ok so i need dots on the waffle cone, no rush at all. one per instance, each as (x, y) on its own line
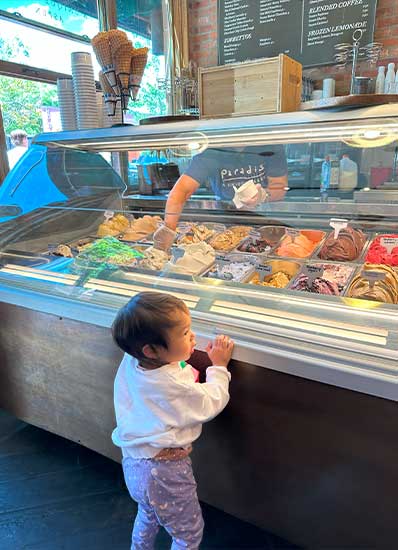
(137, 68)
(105, 85)
(102, 50)
(116, 39)
(122, 63)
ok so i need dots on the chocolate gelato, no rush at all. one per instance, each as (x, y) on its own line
(346, 248)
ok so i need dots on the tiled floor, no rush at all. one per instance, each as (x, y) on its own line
(57, 495)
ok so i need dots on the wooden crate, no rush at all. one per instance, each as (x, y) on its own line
(270, 85)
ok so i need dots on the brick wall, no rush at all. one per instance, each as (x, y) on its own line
(203, 40)
(203, 32)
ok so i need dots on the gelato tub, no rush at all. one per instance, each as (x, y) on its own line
(301, 246)
(379, 254)
(332, 281)
(280, 275)
(346, 248)
(192, 259)
(266, 239)
(236, 268)
(383, 290)
(199, 232)
(230, 239)
(140, 228)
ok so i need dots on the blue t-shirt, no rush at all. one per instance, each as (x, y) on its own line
(222, 169)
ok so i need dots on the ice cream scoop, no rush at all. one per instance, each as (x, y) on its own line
(378, 254)
(347, 247)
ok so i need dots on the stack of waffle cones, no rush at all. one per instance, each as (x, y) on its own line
(122, 66)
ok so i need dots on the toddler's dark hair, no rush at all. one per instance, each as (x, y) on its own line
(145, 320)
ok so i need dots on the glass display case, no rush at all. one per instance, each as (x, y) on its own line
(315, 262)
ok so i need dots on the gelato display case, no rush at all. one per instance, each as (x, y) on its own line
(306, 283)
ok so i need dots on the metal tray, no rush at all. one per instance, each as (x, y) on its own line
(315, 255)
(267, 232)
(237, 258)
(323, 262)
(235, 245)
(217, 227)
(305, 232)
(371, 238)
(290, 267)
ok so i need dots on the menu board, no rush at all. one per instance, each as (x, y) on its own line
(306, 30)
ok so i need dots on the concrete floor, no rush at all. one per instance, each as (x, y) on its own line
(57, 495)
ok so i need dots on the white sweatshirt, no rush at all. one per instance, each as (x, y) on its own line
(164, 407)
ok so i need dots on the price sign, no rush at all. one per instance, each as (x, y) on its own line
(313, 272)
(264, 271)
(108, 214)
(221, 258)
(292, 233)
(373, 276)
(389, 243)
(338, 224)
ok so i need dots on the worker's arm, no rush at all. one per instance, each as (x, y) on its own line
(181, 192)
(277, 187)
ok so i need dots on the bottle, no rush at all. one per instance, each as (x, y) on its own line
(380, 80)
(325, 174)
(334, 172)
(348, 179)
(389, 84)
(325, 179)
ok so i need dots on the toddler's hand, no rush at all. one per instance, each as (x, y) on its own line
(220, 351)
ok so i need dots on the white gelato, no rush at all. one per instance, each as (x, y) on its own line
(234, 271)
(196, 259)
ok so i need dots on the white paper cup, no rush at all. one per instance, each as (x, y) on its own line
(247, 191)
(316, 95)
(328, 87)
(81, 58)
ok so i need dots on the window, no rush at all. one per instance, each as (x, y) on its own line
(30, 106)
(75, 16)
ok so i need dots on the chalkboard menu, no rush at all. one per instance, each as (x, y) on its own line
(306, 30)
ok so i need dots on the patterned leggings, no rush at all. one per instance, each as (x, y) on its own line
(165, 491)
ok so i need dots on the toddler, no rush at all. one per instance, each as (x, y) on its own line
(159, 413)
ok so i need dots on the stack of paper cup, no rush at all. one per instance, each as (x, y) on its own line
(66, 101)
(84, 88)
(100, 109)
